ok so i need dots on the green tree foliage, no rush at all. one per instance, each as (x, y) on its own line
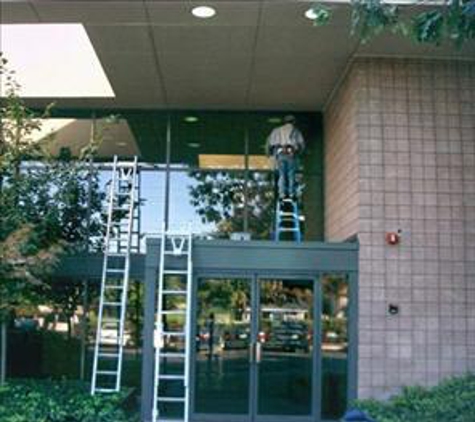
(219, 197)
(48, 205)
(450, 20)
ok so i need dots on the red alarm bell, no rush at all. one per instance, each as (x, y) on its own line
(392, 238)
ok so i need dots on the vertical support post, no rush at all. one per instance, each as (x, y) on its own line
(148, 355)
(3, 352)
(246, 180)
(84, 330)
(167, 174)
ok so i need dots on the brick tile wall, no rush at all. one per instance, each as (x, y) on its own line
(413, 123)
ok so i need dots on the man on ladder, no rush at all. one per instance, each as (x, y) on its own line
(285, 144)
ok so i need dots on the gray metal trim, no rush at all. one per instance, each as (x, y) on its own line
(353, 337)
(252, 260)
(151, 276)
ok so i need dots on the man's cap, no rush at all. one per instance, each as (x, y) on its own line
(289, 118)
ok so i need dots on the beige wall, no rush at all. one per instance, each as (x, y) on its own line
(409, 127)
(341, 163)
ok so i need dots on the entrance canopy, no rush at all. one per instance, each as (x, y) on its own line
(250, 55)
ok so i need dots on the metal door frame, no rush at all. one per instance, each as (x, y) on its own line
(252, 415)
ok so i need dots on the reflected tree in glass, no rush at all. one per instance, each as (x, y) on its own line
(222, 198)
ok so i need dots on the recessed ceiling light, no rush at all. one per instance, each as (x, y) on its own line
(310, 14)
(53, 61)
(203, 12)
(194, 144)
(191, 119)
(121, 144)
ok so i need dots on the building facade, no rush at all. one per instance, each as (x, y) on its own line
(380, 294)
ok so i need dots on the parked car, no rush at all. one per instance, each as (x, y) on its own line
(110, 335)
(289, 337)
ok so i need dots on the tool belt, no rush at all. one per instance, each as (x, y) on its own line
(285, 150)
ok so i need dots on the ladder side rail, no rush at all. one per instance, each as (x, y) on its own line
(125, 281)
(139, 222)
(277, 221)
(104, 275)
(297, 222)
(188, 329)
(158, 325)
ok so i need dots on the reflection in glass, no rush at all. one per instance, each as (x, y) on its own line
(286, 338)
(212, 201)
(334, 345)
(215, 136)
(152, 193)
(222, 346)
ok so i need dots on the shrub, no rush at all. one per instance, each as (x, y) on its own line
(59, 401)
(451, 401)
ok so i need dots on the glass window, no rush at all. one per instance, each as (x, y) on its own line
(212, 202)
(334, 345)
(208, 140)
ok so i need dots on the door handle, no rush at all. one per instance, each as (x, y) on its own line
(258, 352)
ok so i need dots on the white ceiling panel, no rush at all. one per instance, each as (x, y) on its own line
(208, 41)
(133, 39)
(17, 12)
(132, 75)
(301, 81)
(157, 55)
(394, 45)
(214, 81)
(229, 13)
(303, 42)
(105, 12)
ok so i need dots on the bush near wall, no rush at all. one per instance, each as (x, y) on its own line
(58, 401)
(451, 401)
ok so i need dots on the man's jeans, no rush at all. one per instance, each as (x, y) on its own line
(286, 165)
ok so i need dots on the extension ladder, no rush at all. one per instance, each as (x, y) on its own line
(173, 329)
(287, 222)
(121, 238)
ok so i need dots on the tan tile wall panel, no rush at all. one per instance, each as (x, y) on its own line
(341, 165)
(415, 124)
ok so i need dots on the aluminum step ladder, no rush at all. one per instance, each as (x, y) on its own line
(287, 222)
(121, 239)
(171, 394)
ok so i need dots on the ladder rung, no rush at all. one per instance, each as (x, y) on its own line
(117, 254)
(174, 292)
(172, 377)
(172, 399)
(114, 287)
(112, 304)
(176, 253)
(174, 312)
(173, 333)
(110, 320)
(110, 373)
(115, 270)
(105, 390)
(171, 272)
(108, 355)
(172, 355)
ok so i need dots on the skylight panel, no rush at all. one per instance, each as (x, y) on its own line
(53, 61)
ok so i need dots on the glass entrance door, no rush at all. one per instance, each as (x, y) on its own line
(222, 343)
(285, 349)
(254, 350)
